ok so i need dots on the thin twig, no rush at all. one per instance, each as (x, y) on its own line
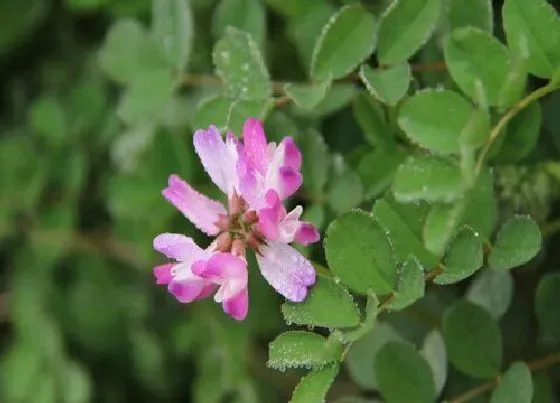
(434, 273)
(536, 365)
(200, 80)
(100, 244)
(433, 66)
(281, 101)
(510, 114)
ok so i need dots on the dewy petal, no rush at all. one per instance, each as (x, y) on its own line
(197, 208)
(287, 270)
(177, 247)
(219, 159)
(230, 272)
(306, 234)
(289, 181)
(270, 216)
(237, 306)
(163, 273)
(283, 171)
(255, 143)
(292, 155)
(186, 291)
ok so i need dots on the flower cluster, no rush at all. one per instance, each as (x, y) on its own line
(256, 176)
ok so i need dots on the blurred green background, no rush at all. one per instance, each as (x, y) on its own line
(80, 180)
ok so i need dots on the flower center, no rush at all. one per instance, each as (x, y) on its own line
(239, 229)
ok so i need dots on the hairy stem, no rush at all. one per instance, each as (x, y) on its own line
(536, 365)
(509, 115)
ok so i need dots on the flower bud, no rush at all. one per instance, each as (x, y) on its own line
(238, 247)
(224, 242)
(250, 217)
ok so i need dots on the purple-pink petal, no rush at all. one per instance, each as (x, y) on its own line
(306, 234)
(237, 306)
(289, 181)
(286, 270)
(218, 158)
(197, 208)
(185, 291)
(255, 144)
(207, 271)
(162, 273)
(177, 246)
(292, 155)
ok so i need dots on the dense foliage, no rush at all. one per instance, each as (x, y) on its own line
(430, 136)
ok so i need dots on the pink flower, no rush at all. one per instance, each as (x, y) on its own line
(196, 273)
(256, 176)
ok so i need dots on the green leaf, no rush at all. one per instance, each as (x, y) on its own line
(301, 349)
(346, 191)
(517, 242)
(328, 304)
(546, 304)
(433, 351)
(420, 17)
(313, 387)
(369, 114)
(533, 30)
(514, 85)
(246, 15)
(146, 99)
(410, 284)
(472, 55)
(303, 29)
(228, 114)
(481, 206)
(293, 7)
(492, 290)
(346, 40)
(377, 170)
(240, 109)
(441, 223)
(48, 119)
(475, 13)
(463, 257)
(427, 178)
(388, 85)
(339, 95)
(473, 340)
(307, 96)
(129, 52)
(413, 214)
(542, 388)
(359, 253)
(521, 135)
(20, 369)
(363, 352)
(129, 146)
(516, 385)
(212, 111)
(403, 374)
(77, 384)
(316, 161)
(239, 63)
(44, 390)
(147, 359)
(420, 118)
(315, 214)
(404, 240)
(173, 31)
